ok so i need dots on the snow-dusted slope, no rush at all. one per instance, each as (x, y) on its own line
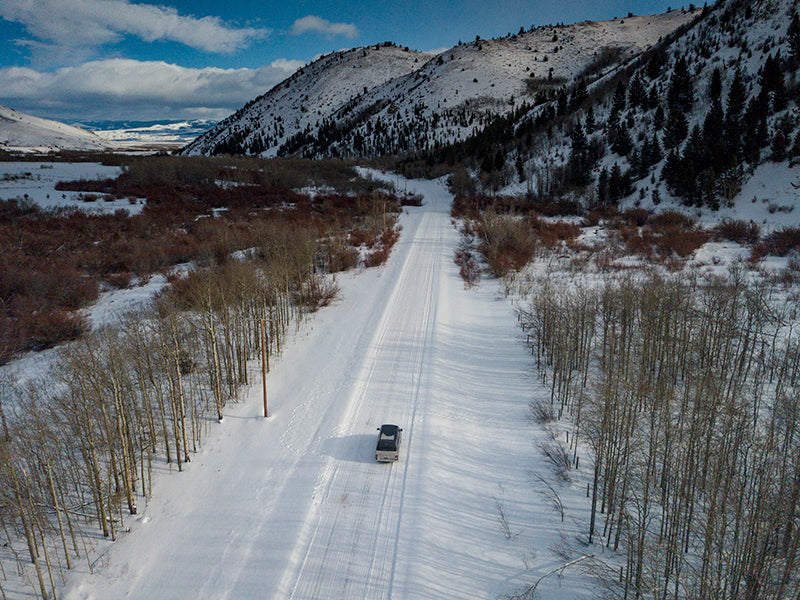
(734, 38)
(19, 131)
(384, 100)
(307, 97)
(449, 96)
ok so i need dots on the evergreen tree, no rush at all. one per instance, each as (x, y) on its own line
(618, 185)
(618, 102)
(715, 86)
(671, 171)
(693, 161)
(590, 120)
(659, 118)
(579, 166)
(655, 150)
(713, 127)
(675, 129)
(561, 104)
(620, 140)
(655, 197)
(779, 146)
(499, 159)
(772, 82)
(652, 97)
(579, 94)
(519, 164)
(602, 187)
(732, 127)
(793, 37)
(754, 122)
(706, 190)
(655, 65)
(680, 96)
(637, 95)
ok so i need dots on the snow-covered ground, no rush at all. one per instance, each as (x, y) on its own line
(35, 182)
(294, 506)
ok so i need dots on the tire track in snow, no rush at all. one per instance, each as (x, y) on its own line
(349, 550)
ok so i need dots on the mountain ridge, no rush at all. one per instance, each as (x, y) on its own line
(436, 101)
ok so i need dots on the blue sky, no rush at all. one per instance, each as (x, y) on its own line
(79, 60)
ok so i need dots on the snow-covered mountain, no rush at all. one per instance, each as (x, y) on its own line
(19, 131)
(387, 99)
(704, 119)
(168, 133)
(307, 98)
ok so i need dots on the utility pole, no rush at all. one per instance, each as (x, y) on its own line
(264, 363)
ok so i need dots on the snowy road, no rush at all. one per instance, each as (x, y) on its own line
(295, 507)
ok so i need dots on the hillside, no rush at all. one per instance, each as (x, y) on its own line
(305, 99)
(22, 132)
(386, 100)
(689, 123)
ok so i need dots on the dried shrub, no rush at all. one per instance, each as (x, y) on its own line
(553, 233)
(662, 237)
(741, 232)
(542, 412)
(605, 57)
(45, 330)
(680, 242)
(637, 217)
(316, 292)
(362, 237)
(670, 218)
(121, 280)
(507, 243)
(791, 274)
(335, 256)
(471, 206)
(468, 267)
(197, 210)
(383, 248)
(778, 243)
(558, 456)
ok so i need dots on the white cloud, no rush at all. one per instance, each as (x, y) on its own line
(318, 25)
(81, 23)
(123, 88)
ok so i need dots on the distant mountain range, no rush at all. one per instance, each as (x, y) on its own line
(169, 132)
(26, 133)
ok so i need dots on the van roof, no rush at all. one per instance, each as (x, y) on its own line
(389, 430)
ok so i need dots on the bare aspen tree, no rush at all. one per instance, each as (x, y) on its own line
(78, 451)
(690, 410)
